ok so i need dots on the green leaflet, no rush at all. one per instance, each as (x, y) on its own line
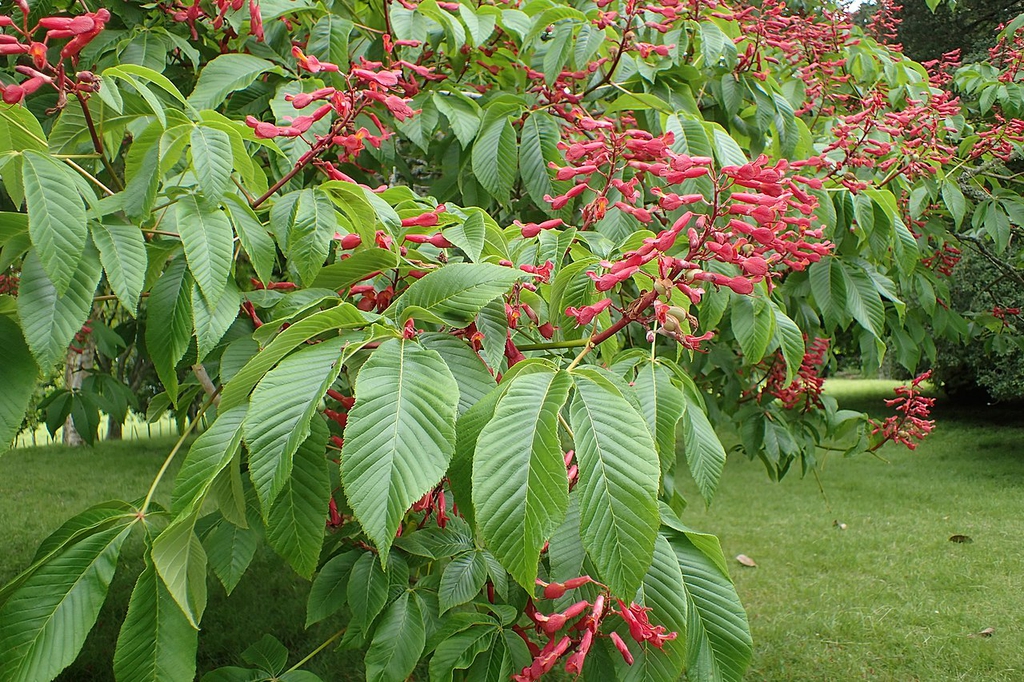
(18, 372)
(206, 235)
(123, 255)
(703, 450)
(495, 154)
(56, 217)
(462, 579)
(212, 159)
(662, 406)
(44, 623)
(400, 435)
(279, 415)
(209, 454)
(520, 488)
(156, 643)
(327, 594)
(225, 74)
(295, 524)
(170, 301)
(180, 559)
(453, 295)
(618, 484)
(49, 319)
(397, 642)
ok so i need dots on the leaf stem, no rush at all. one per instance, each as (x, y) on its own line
(170, 457)
(554, 345)
(315, 651)
(97, 143)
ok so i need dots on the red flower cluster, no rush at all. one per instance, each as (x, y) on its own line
(9, 285)
(805, 390)
(579, 636)
(194, 13)
(910, 423)
(944, 260)
(433, 503)
(79, 31)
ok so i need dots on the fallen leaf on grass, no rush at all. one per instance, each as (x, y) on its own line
(960, 538)
(746, 561)
(987, 632)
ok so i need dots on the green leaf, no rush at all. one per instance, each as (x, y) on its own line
(753, 323)
(662, 406)
(180, 559)
(254, 237)
(156, 643)
(341, 316)
(279, 415)
(520, 487)
(434, 542)
(206, 235)
(328, 40)
(212, 159)
(618, 484)
(355, 268)
(400, 435)
(397, 642)
(225, 74)
(267, 653)
(18, 372)
(209, 454)
(44, 623)
(229, 551)
(472, 376)
(462, 579)
(170, 302)
(955, 201)
(50, 320)
(367, 589)
(295, 525)
(455, 293)
(791, 341)
(327, 593)
(56, 217)
(863, 301)
(213, 322)
(312, 226)
(460, 650)
(720, 643)
(463, 115)
(123, 255)
(703, 450)
(828, 286)
(537, 146)
(664, 593)
(495, 156)
(470, 236)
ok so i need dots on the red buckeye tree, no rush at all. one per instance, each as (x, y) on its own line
(465, 292)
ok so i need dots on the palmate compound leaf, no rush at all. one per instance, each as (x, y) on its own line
(156, 643)
(280, 411)
(400, 435)
(618, 484)
(520, 488)
(44, 623)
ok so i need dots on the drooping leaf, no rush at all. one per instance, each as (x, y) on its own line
(56, 217)
(618, 484)
(225, 74)
(462, 579)
(18, 372)
(156, 643)
(123, 254)
(229, 551)
(703, 450)
(212, 159)
(662, 404)
(454, 294)
(313, 223)
(295, 525)
(44, 623)
(460, 650)
(180, 559)
(327, 594)
(720, 643)
(520, 487)
(170, 302)
(50, 320)
(400, 435)
(495, 154)
(213, 322)
(206, 458)
(367, 589)
(206, 235)
(279, 415)
(397, 642)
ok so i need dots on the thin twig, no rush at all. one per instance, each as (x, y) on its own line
(97, 143)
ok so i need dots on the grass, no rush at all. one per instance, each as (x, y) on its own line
(889, 598)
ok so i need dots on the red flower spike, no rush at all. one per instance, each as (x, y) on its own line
(621, 646)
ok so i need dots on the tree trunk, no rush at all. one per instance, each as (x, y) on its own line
(114, 429)
(76, 365)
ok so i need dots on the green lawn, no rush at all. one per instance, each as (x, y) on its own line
(889, 598)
